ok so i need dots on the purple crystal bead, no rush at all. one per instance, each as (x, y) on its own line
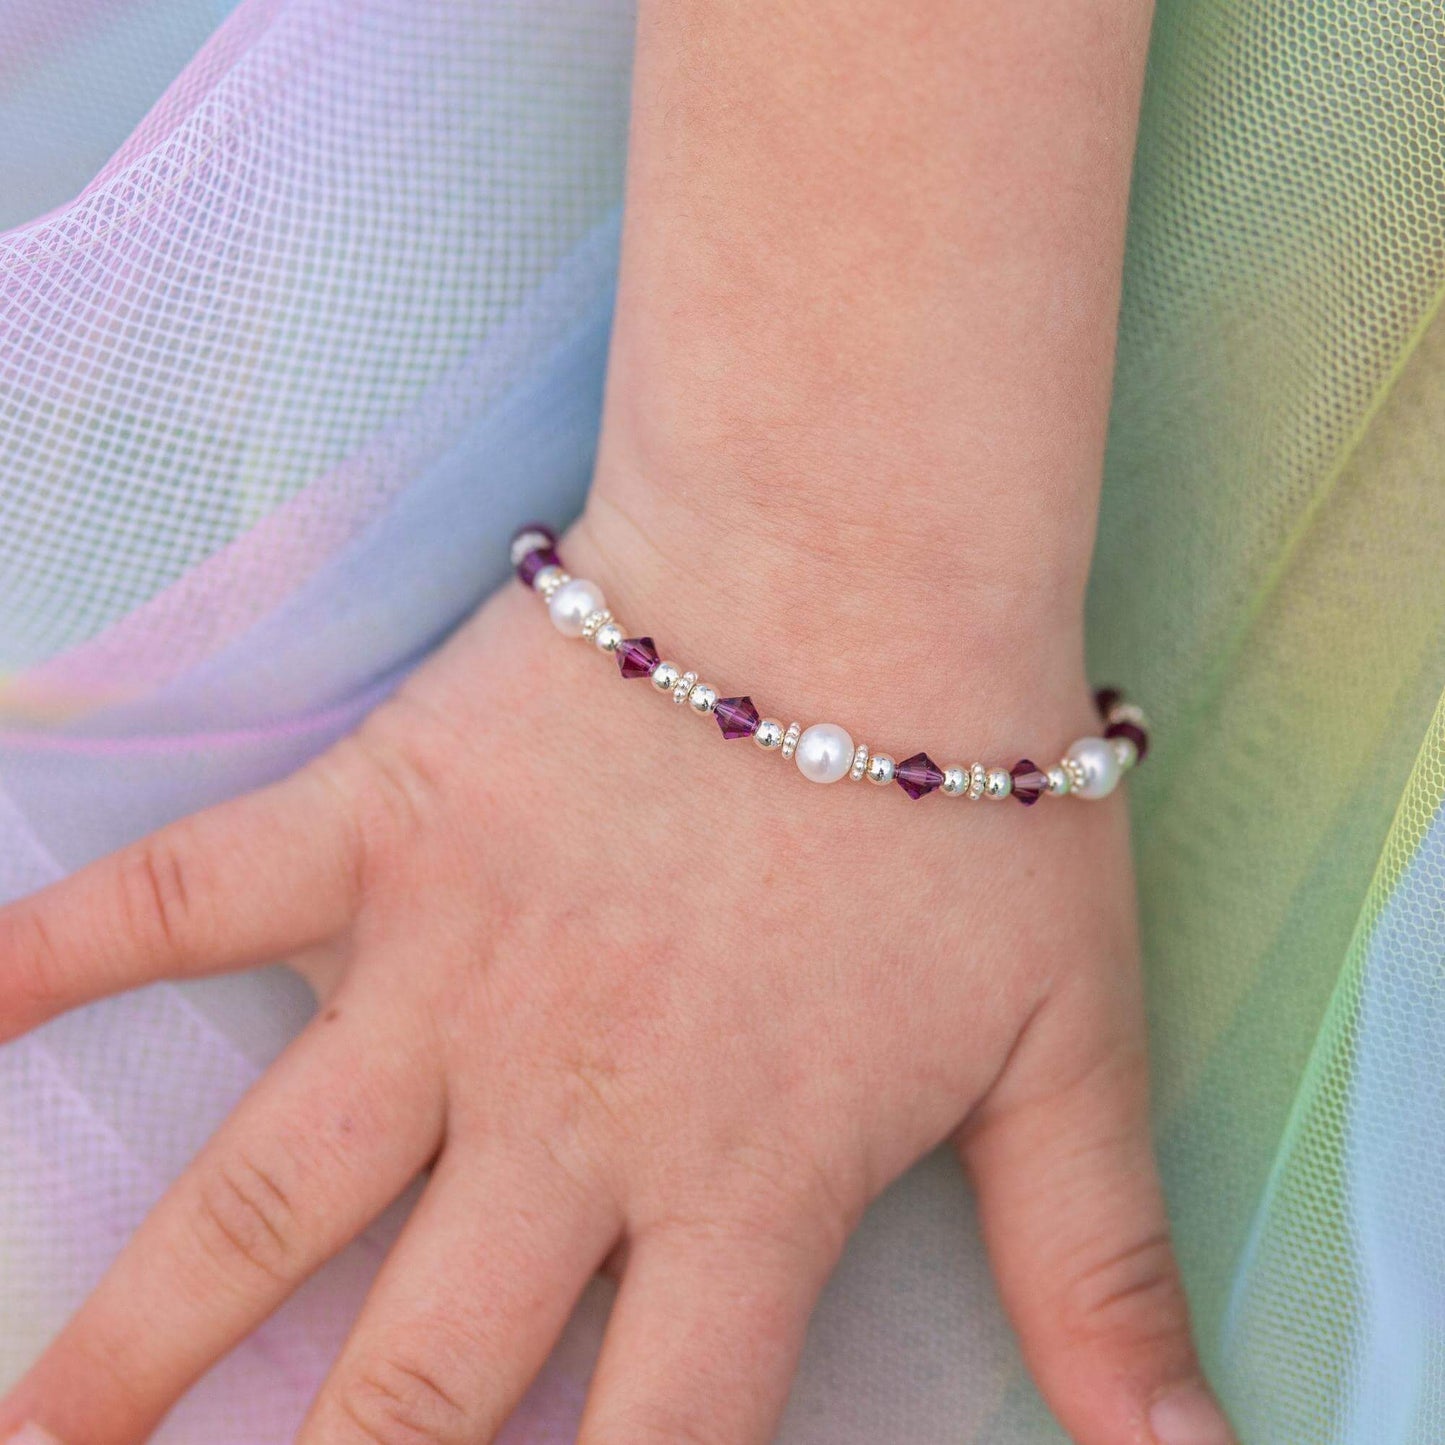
(737, 717)
(533, 563)
(1107, 698)
(1133, 732)
(918, 775)
(637, 657)
(1030, 782)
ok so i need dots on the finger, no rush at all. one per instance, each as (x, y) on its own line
(468, 1305)
(1074, 1219)
(246, 881)
(330, 1135)
(704, 1338)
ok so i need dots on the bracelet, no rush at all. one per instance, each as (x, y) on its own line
(1091, 767)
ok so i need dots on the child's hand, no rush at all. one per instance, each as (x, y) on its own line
(627, 989)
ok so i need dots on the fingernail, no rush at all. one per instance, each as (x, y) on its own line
(1189, 1415)
(32, 1435)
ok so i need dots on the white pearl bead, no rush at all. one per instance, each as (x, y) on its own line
(572, 603)
(824, 753)
(1097, 761)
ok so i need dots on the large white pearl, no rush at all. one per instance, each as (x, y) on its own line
(573, 603)
(825, 753)
(1100, 765)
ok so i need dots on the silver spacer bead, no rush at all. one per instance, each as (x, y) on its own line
(769, 736)
(1058, 780)
(998, 783)
(1126, 752)
(1074, 771)
(790, 739)
(881, 769)
(593, 621)
(609, 637)
(702, 698)
(682, 687)
(977, 781)
(665, 676)
(529, 542)
(956, 781)
(548, 580)
(860, 763)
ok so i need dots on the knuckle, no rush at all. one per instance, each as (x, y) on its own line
(397, 1400)
(246, 1221)
(1132, 1295)
(159, 891)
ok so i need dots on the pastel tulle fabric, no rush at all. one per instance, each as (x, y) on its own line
(303, 306)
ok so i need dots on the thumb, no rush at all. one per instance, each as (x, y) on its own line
(1073, 1217)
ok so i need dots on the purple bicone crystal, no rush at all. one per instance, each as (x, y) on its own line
(1107, 698)
(737, 717)
(637, 657)
(1030, 782)
(918, 775)
(533, 563)
(1133, 732)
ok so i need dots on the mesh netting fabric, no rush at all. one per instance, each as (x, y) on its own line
(316, 306)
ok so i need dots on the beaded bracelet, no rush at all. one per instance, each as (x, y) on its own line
(1090, 768)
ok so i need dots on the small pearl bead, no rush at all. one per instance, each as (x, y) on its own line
(1096, 762)
(702, 699)
(769, 735)
(1058, 781)
(998, 783)
(665, 676)
(1126, 752)
(825, 753)
(881, 769)
(548, 580)
(609, 637)
(956, 781)
(571, 604)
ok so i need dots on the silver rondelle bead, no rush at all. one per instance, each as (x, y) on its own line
(548, 580)
(977, 781)
(609, 637)
(525, 542)
(1074, 772)
(860, 764)
(956, 781)
(998, 783)
(702, 699)
(682, 687)
(790, 739)
(1058, 780)
(881, 769)
(593, 621)
(769, 736)
(665, 676)
(1126, 752)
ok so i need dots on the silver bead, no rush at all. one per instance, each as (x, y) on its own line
(1126, 752)
(956, 781)
(1058, 780)
(977, 781)
(860, 763)
(1074, 772)
(702, 699)
(665, 676)
(593, 621)
(682, 687)
(881, 769)
(769, 735)
(548, 580)
(790, 739)
(998, 783)
(529, 542)
(609, 637)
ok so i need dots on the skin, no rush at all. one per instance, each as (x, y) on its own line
(637, 997)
